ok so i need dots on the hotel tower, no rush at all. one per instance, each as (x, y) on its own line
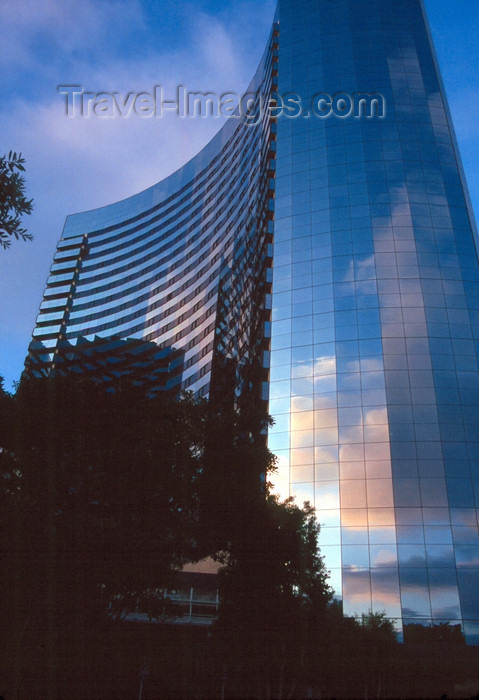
(330, 244)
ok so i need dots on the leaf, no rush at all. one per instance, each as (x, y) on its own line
(13, 204)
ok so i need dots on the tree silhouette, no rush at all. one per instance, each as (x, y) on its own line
(13, 203)
(98, 508)
(105, 493)
(272, 582)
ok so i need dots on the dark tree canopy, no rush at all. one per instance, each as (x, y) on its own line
(13, 203)
(105, 493)
(109, 477)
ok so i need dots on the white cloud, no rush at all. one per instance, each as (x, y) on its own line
(68, 26)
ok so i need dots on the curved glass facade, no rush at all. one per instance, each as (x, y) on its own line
(170, 283)
(374, 331)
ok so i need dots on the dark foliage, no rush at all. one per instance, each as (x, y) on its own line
(272, 582)
(103, 494)
(98, 505)
(13, 203)
(442, 633)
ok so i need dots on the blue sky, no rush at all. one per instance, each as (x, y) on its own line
(133, 45)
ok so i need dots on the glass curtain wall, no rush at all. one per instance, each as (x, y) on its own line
(374, 381)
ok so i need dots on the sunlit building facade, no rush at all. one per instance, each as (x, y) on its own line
(367, 339)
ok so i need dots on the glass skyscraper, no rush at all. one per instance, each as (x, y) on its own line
(332, 243)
